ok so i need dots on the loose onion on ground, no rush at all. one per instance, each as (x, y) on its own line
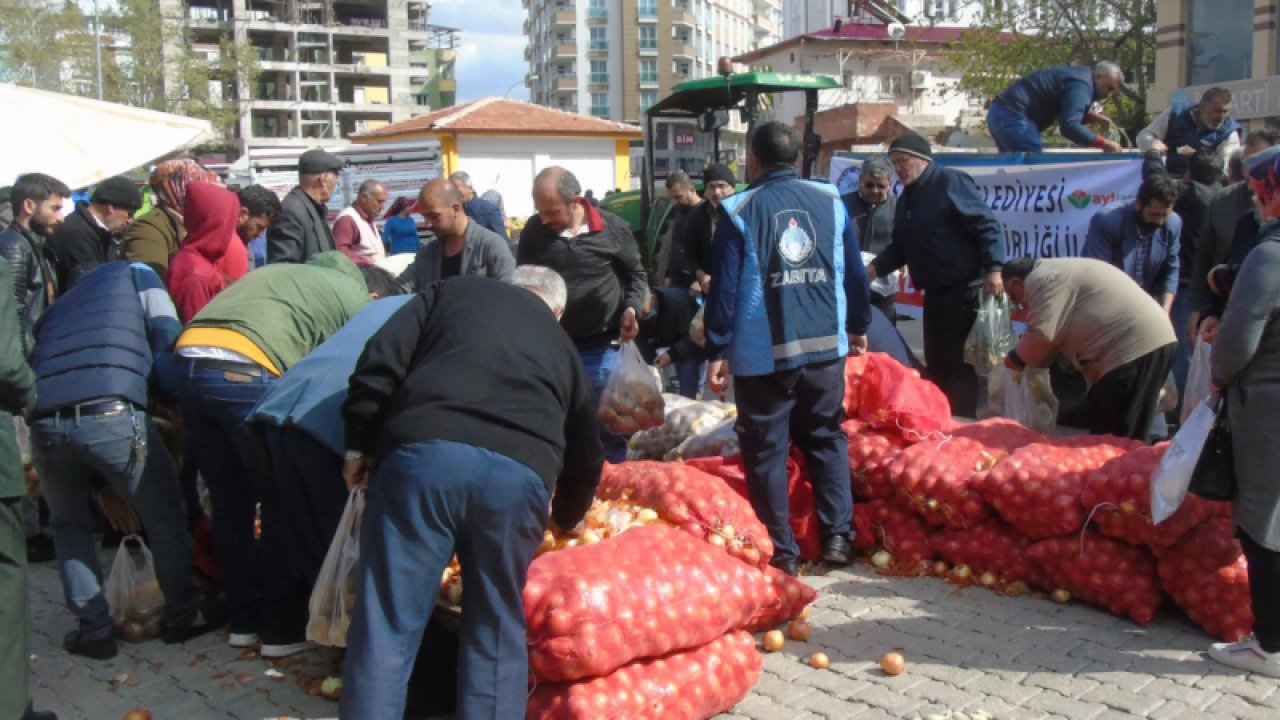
(773, 641)
(893, 663)
(798, 630)
(819, 661)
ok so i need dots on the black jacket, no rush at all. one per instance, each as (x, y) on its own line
(301, 231)
(944, 232)
(694, 242)
(475, 361)
(34, 282)
(668, 326)
(1216, 235)
(601, 269)
(1193, 207)
(79, 245)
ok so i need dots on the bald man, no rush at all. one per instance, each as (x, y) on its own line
(460, 246)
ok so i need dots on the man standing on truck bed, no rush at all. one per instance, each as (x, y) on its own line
(1064, 93)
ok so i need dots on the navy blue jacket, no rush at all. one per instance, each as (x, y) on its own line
(107, 337)
(788, 285)
(487, 214)
(1063, 93)
(1113, 239)
(944, 231)
(1184, 130)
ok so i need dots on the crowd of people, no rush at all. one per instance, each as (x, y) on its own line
(459, 384)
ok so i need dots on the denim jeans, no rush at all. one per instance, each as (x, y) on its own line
(599, 363)
(1013, 131)
(67, 451)
(427, 501)
(691, 375)
(804, 406)
(1180, 316)
(255, 576)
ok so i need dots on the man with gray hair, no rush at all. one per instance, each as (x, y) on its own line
(871, 209)
(354, 232)
(302, 230)
(477, 208)
(1065, 94)
(463, 444)
(596, 254)
(1206, 126)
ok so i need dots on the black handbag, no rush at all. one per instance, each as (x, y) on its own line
(1215, 475)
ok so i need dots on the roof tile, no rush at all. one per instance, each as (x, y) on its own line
(494, 114)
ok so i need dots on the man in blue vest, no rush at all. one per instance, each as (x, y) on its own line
(1206, 126)
(99, 349)
(788, 302)
(1065, 93)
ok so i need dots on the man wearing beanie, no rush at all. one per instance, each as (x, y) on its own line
(953, 245)
(90, 236)
(694, 236)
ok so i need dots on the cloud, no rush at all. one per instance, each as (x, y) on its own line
(491, 52)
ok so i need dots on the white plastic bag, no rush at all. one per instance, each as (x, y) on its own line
(685, 418)
(1172, 476)
(991, 336)
(718, 440)
(1026, 397)
(1199, 379)
(132, 592)
(333, 599)
(632, 399)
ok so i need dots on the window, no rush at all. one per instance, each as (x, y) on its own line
(600, 104)
(648, 100)
(599, 71)
(648, 71)
(597, 9)
(680, 69)
(1219, 41)
(648, 37)
(891, 85)
(598, 41)
(648, 8)
(661, 135)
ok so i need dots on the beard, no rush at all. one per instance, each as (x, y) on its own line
(40, 228)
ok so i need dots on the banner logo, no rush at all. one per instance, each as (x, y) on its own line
(1080, 199)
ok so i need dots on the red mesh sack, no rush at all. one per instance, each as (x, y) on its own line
(1118, 495)
(891, 396)
(802, 516)
(902, 533)
(870, 453)
(686, 685)
(696, 502)
(793, 597)
(1109, 574)
(592, 609)
(864, 534)
(1206, 575)
(1000, 436)
(1037, 488)
(994, 547)
(932, 478)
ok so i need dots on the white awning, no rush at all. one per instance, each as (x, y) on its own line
(81, 141)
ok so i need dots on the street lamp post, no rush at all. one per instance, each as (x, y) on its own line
(97, 44)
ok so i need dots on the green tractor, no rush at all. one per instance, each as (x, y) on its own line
(710, 101)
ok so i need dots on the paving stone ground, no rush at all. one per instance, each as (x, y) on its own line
(966, 649)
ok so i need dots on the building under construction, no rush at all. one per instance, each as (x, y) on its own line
(327, 68)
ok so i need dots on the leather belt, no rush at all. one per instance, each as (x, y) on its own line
(231, 366)
(94, 409)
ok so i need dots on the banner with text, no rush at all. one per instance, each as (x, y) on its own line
(1044, 208)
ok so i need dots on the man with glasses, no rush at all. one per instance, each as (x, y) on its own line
(871, 209)
(303, 230)
(90, 236)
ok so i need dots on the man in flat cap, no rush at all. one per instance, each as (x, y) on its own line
(302, 230)
(90, 236)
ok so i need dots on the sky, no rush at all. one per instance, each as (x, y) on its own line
(491, 49)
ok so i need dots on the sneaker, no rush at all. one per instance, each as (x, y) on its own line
(77, 643)
(1247, 655)
(243, 640)
(285, 649)
(40, 549)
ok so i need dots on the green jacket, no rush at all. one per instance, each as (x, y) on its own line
(17, 390)
(288, 310)
(152, 239)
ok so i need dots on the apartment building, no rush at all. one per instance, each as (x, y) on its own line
(328, 68)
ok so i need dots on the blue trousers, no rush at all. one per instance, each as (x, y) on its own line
(599, 363)
(805, 406)
(257, 577)
(426, 502)
(1180, 316)
(1013, 131)
(691, 374)
(67, 451)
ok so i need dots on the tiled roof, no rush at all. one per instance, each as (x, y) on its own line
(501, 115)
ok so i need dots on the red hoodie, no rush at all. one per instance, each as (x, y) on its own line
(210, 214)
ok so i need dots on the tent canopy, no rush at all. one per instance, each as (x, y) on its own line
(81, 141)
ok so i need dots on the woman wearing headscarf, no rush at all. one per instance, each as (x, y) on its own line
(210, 215)
(154, 237)
(1246, 366)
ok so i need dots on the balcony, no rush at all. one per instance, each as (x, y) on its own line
(599, 78)
(564, 17)
(599, 46)
(565, 83)
(600, 111)
(647, 14)
(528, 53)
(648, 49)
(524, 4)
(683, 17)
(597, 14)
(683, 51)
(648, 82)
(565, 52)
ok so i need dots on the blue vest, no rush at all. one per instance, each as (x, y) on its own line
(790, 302)
(1183, 130)
(92, 343)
